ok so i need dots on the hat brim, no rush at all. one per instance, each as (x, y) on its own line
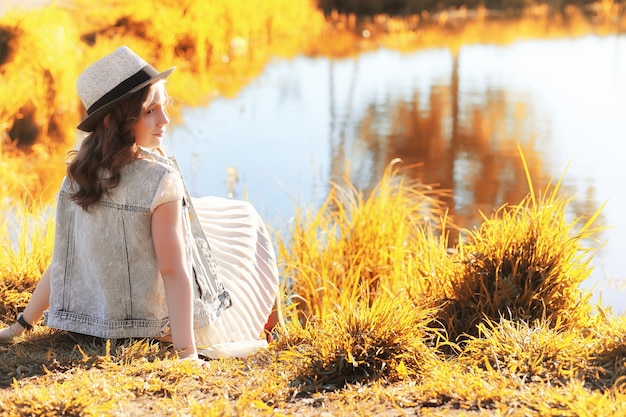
(89, 123)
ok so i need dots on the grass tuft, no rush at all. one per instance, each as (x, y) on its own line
(542, 352)
(526, 263)
(385, 340)
(357, 247)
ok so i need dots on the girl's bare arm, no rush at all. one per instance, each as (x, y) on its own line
(167, 234)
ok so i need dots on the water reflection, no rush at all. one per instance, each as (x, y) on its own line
(459, 118)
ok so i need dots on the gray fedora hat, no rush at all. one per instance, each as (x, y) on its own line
(107, 81)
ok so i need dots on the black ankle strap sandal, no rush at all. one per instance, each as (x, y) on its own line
(23, 322)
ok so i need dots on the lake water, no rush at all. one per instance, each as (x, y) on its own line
(306, 121)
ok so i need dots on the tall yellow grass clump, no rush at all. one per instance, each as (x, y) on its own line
(525, 263)
(386, 339)
(365, 275)
(357, 248)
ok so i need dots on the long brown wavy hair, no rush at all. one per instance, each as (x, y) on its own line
(96, 166)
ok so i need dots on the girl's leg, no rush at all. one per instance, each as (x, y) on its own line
(38, 303)
(275, 318)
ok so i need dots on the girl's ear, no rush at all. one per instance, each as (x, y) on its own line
(106, 120)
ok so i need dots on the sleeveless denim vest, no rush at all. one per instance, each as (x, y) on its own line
(104, 277)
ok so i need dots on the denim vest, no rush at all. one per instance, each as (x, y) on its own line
(104, 277)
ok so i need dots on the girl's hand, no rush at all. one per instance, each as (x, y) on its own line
(197, 361)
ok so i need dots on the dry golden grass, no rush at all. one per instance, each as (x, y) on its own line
(383, 316)
(356, 248)
(386, 339)
(525, 263)
(381, 348)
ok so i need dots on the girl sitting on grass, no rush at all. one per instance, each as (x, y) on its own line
(134, 256)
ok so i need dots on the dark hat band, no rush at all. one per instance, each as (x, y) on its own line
(126, 86)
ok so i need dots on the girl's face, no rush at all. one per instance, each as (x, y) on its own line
(150, 126)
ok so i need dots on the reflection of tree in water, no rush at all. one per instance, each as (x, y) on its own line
(469, 148)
